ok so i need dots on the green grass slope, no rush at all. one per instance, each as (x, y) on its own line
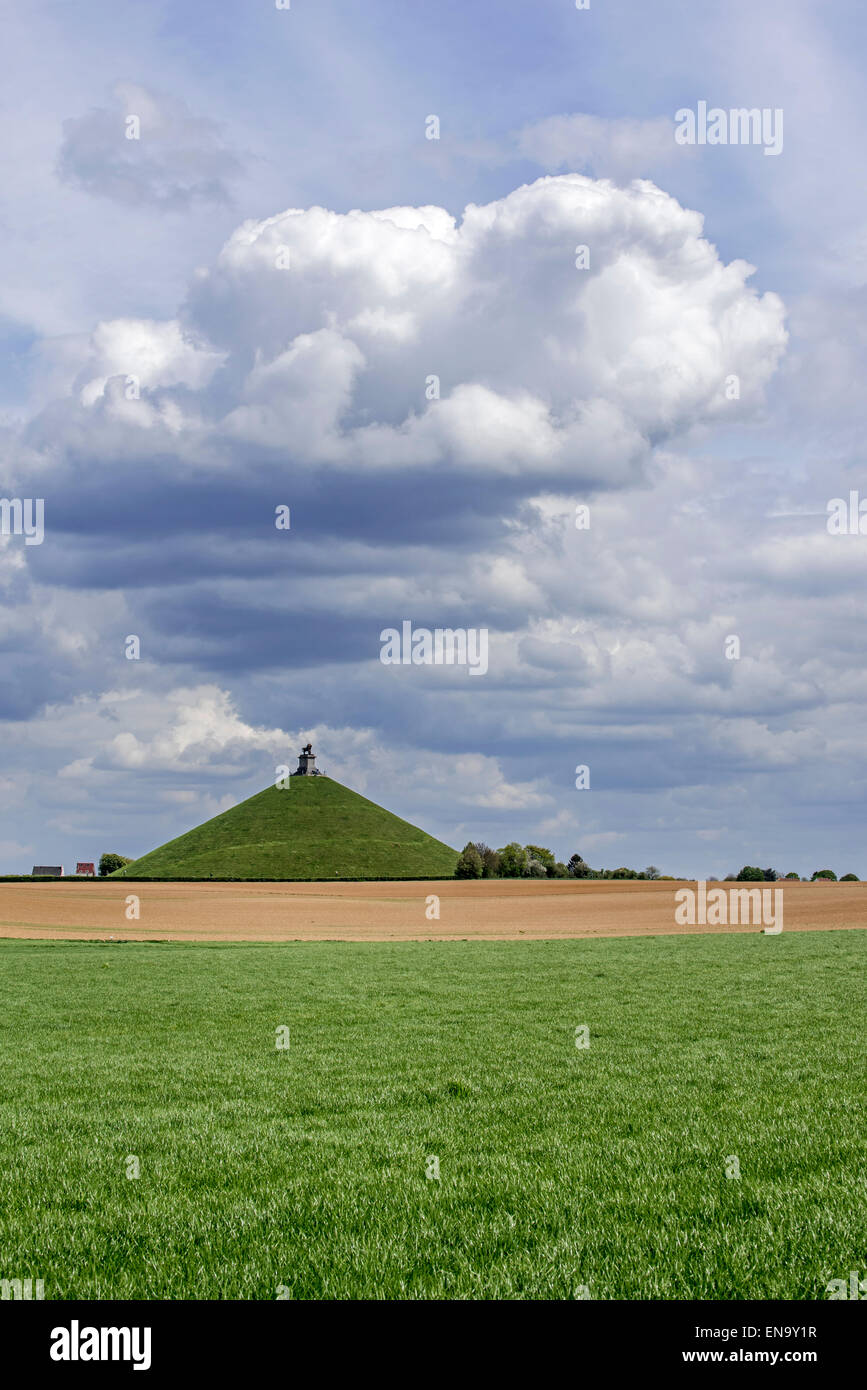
(305, 1167)
(313, 828)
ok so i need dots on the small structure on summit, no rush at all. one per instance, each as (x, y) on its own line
(85, 870)
(307, 763)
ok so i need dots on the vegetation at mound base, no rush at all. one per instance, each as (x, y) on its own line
(311, 828)
(478, 860)
(609, 1167)
(110, 863)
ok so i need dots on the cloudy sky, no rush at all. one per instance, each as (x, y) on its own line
(234, 263)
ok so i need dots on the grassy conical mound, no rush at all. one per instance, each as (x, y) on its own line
(313, 828)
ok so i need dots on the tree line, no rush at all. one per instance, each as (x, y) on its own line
(478, 860)
(750, 874)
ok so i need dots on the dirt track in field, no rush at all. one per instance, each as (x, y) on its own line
(493, 910)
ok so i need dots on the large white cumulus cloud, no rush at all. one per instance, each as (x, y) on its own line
(543, 366)
(332, 325)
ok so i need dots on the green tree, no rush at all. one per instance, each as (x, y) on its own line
(513, 858)
(578, 868)
(750, 874)
(850, 878)
(544, 856)
(469, 864)
(824, 873)
(490, 860)
(110, 862)
(651, 871)
(797, 877)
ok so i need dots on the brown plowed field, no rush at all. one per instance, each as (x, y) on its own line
(492, 910)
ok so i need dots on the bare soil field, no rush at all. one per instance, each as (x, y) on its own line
(485, 910)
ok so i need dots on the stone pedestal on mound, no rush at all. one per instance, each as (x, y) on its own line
(307, 764)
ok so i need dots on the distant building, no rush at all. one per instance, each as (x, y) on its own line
(47, 871)
(85, 870)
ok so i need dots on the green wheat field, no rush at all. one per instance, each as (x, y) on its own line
(308, 1171)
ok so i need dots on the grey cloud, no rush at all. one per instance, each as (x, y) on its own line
(177, 159)
(619, 147)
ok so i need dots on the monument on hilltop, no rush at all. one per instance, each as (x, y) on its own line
(307, 763)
